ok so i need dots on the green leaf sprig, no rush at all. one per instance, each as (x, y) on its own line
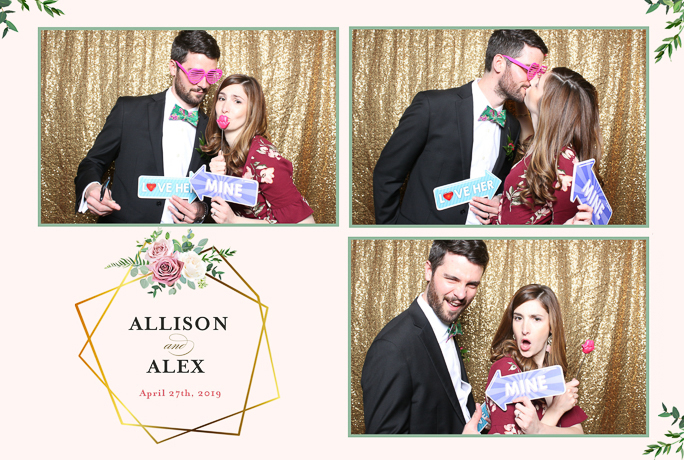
(677, 438)
(45, 5)
(670, 43)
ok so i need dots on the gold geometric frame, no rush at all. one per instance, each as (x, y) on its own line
(263, 309)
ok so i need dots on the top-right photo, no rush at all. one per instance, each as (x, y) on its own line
(499, 127)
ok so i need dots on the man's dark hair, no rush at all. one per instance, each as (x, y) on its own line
(194, 41)
(510, 42)
(473, 250)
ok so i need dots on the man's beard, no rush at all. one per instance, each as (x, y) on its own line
(185, 95)
(508, 89)
(436, 304)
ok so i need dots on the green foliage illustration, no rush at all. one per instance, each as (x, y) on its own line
(677, 438)
(46, 5)
(670, 43)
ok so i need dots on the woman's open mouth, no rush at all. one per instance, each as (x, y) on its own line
(525, 345)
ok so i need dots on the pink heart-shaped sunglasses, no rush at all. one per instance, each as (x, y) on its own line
(532, 70)
(196, 75)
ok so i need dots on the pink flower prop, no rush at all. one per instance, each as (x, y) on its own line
(167, 270)
(223, 121)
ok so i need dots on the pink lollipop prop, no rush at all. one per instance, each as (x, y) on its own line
(223, 121)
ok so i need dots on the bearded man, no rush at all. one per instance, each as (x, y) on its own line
(413, 378)
(156, 135)
(447, 136)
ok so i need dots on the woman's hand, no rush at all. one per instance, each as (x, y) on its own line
(526, 416)
(221, 211)
(566, 401)
(217, 165)
(583, 216)
(484, 209)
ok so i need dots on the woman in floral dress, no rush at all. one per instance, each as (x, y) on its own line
(245, 151)
(562, 130)
(531, 336)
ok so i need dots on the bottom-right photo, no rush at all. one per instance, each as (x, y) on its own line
(501, 336)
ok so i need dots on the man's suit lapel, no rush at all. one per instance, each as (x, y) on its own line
(196, 159)
(427, 336)
(155, 113)
(464, 118)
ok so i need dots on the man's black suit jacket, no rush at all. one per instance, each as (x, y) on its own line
(433, 145)
(132, 136)
(406, 384)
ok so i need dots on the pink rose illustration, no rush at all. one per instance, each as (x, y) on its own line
(159, 248)
(167, 270)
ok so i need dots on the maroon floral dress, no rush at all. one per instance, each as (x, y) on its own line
(512, 209)
(503, 422)
(278, 200)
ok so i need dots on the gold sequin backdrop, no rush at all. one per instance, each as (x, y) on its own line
(390, 66)
(83, 72)
(601, 287)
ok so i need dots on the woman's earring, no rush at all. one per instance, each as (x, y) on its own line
(549, 341)
(513, 336)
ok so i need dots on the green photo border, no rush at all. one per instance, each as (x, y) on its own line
(337, 125)
(349, 335)
(351, 118)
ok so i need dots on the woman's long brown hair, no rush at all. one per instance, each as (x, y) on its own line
(504, 344)
(568, 117)
(256, 124)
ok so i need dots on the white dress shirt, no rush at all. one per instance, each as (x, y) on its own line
(448, 347)
(178, 138)
(486, 142)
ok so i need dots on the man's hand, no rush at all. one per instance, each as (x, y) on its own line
(484, 209)
(471, 426)
(101, 208)
(526, 416)
(217, 165)
(583, 216)
(185, 212)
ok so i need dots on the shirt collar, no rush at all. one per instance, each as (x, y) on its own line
(480, 102)
(439, 328)
(172, 101)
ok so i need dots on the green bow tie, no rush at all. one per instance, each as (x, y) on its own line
(179, 113)
(454, 330)
(492, 115)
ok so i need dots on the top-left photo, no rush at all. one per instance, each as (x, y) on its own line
(188, 126)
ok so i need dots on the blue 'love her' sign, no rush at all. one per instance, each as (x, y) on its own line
(165, 187)
(447, 196)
